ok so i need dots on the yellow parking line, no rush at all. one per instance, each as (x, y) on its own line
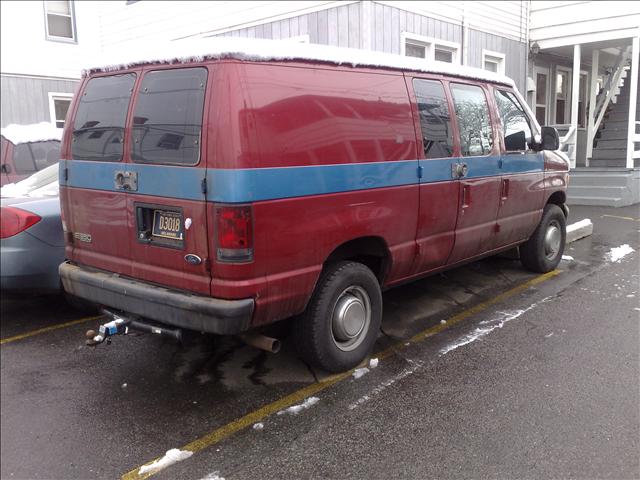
(296, 397)
(47, 329)
(621, 218)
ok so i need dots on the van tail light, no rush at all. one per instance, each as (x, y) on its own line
(14, 220)
(234, 233)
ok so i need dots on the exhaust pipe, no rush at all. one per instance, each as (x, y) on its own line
(268, 344)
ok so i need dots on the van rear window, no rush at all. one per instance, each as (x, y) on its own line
(98, 129)
(167, 121)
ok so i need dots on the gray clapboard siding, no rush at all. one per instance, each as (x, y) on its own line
(343, 26)
(25, 100)
(515, 54)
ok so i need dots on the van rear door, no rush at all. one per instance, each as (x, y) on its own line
(167, 205)
(94, 210)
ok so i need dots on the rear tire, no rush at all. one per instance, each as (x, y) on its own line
(543, 251)
(341, 323)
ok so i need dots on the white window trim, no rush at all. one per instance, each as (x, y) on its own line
(53, 96)
(72, 16)
(430, 43)
(496, 55)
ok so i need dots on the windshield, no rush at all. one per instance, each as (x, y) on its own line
(34, 185)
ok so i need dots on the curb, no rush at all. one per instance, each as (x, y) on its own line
(579, 230)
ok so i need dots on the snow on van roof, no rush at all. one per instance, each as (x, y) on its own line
(36, 132)
(195, 50)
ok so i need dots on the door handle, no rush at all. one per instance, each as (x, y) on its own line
(466, 196)
(505, 190)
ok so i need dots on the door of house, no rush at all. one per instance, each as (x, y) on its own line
(542, 95)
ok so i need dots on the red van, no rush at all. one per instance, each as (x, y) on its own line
(27, 149)
(224, 190)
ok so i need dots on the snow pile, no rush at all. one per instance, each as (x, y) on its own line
(489, 326)
(295, 409)
(578, 225)
(258, 426)
(618, 253)
(258, 50)
(567, 258)
(359, 372)
(172, 456)
(373, 363)
(37, 132)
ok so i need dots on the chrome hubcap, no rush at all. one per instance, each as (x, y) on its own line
(552, 240)
(350, 318)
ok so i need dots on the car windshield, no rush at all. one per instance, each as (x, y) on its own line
(42, 183)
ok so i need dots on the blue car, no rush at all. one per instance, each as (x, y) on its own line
(31, 237)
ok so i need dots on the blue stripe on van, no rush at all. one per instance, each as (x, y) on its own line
(256, 184)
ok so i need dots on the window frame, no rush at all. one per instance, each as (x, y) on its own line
(491, 56)
(72, 16)
(503, 146)
(135, 95)
(430, 45)
(53, 96)
(455, 144)
(493, 121)
(567, 100)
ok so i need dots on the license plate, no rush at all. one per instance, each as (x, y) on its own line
(167, 224)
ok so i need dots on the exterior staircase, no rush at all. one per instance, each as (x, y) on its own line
(610, 146)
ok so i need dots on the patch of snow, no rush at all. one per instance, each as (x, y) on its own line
(443, 322)
(213, 476)
(35, 132)
(260, 50)
(489, 326)
(359, 372)
(172, 456)
(295, 409)
(373, 363)
(575, 226)
(124, 385)
(618, 253)
(631, 295)
(549, 335)
(258, 426)
(636, 308)
(567, 258)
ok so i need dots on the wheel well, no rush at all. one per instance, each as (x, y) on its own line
(558, 198)
(370, 251)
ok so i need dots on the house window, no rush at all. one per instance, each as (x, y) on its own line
(429, 48)
(541, 94)
(59, 20)
(582, 100)
(58, 107)
(493, 61)
(562, 97)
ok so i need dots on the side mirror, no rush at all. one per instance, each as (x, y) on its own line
(550, 139)
(6, 168)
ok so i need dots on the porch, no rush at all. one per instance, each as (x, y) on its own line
(584, 81)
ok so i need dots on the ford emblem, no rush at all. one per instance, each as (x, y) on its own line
(192, 259)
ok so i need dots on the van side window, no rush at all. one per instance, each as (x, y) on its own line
(515, 124)
(435, 121)
(167, 121)
(474, 123)
(98, 130)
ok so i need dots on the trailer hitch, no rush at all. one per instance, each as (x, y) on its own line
(120, 325)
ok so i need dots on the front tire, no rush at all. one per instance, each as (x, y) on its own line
(543, 251)
(342, 321)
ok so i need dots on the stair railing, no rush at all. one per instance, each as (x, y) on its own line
(611, 88)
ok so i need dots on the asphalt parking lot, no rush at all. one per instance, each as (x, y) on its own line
(484, 371)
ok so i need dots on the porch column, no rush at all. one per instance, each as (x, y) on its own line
(633, 95)
(575, 95)
(593, 89)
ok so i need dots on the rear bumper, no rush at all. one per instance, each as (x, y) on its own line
(179, 309)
